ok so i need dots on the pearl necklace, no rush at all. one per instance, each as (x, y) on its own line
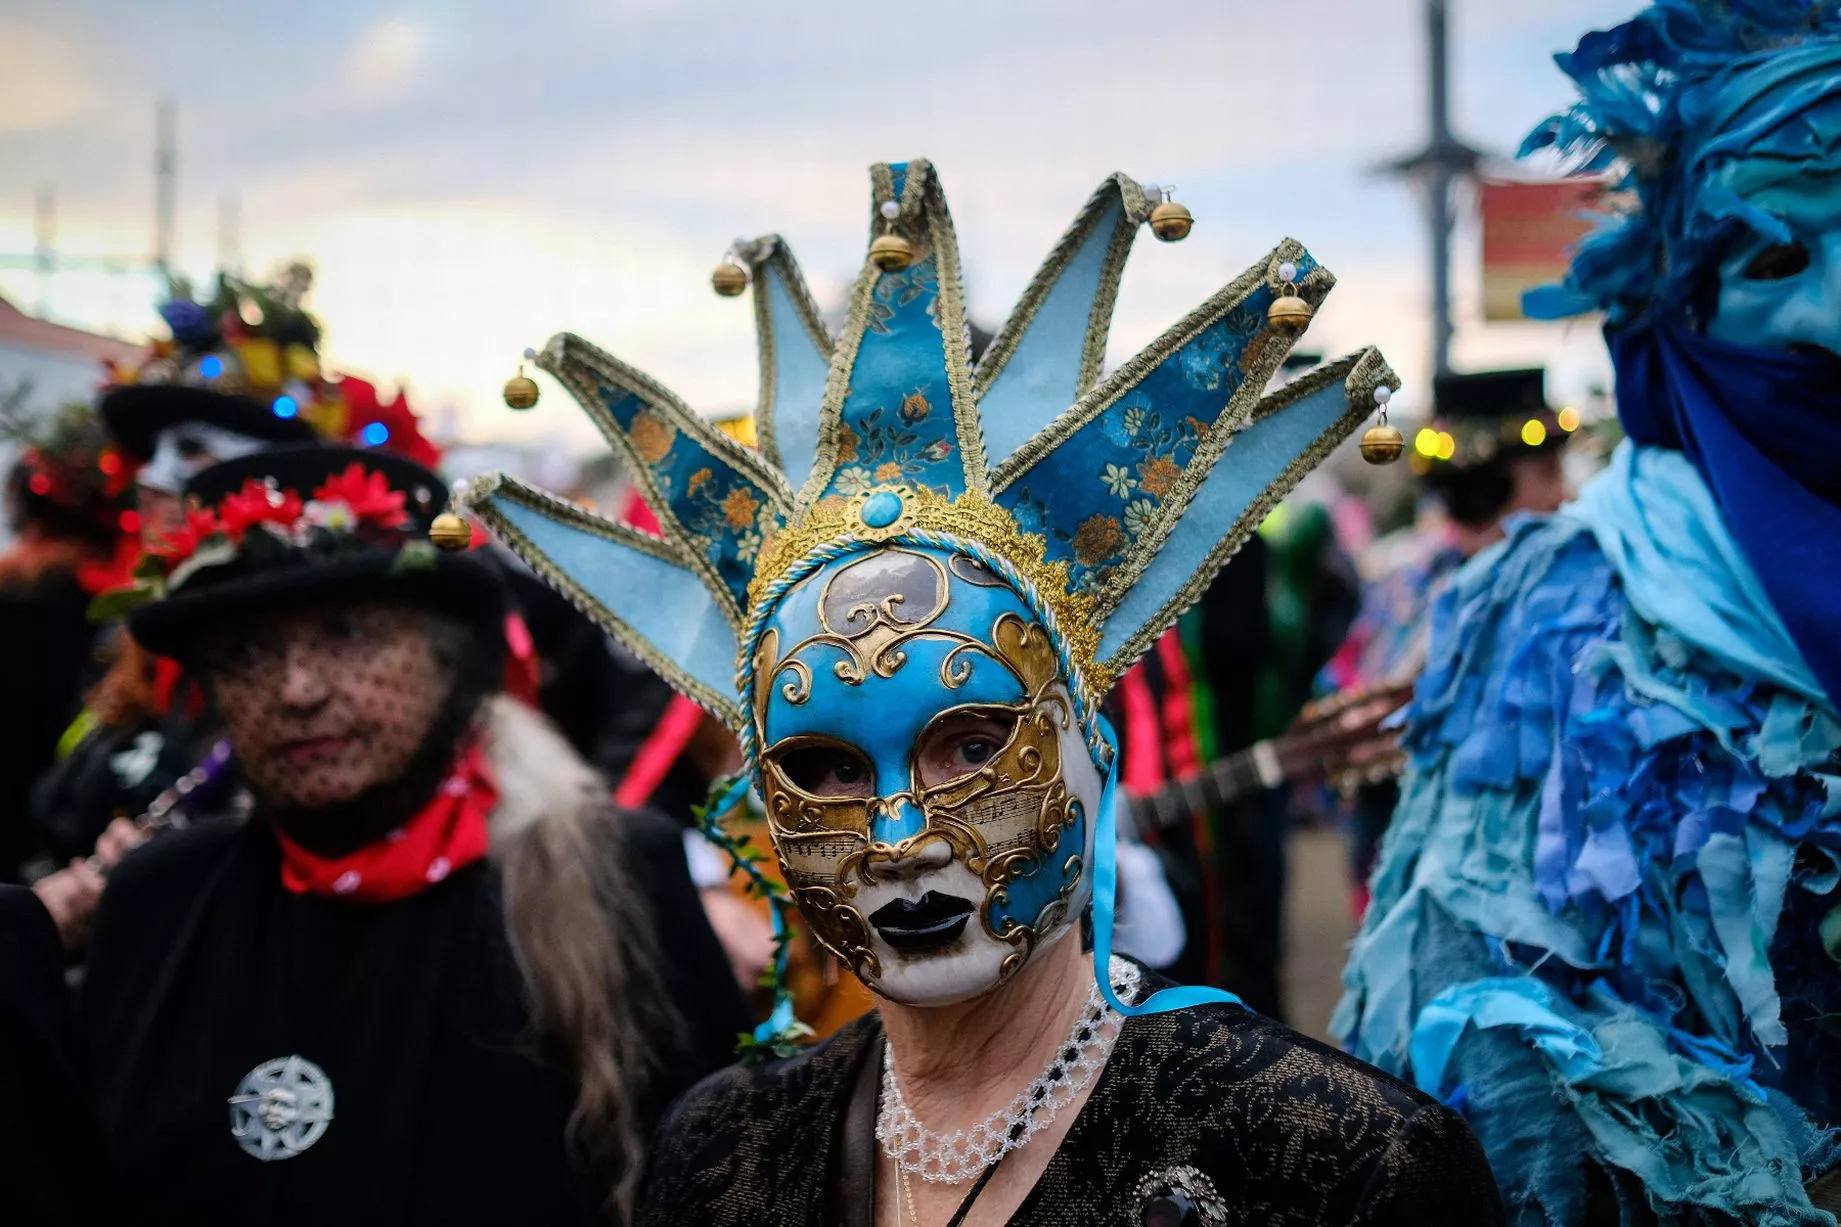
(955, 1158)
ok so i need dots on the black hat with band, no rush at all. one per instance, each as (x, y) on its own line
(1482, 416)
(289, 527)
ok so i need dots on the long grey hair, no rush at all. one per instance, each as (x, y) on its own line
(588, 955)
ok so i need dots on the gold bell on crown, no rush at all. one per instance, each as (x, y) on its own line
(1289, 313)
(891, 253)
(450, 532)
(729, 279)
(1382, 444)
(521, 390)
(1171, 222)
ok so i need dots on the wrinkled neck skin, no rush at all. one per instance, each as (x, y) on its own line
(959, 1063)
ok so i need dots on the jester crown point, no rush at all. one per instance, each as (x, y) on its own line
(1114, 497)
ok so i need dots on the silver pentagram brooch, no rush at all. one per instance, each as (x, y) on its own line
(280, 1108)
(1179, 1196)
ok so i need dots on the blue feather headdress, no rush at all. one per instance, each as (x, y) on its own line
(1674, 98)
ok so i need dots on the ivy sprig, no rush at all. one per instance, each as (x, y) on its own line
(781, 1035)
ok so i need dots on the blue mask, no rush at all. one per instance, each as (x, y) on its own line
(1722, 289)
(1783, 290)
(929, 787)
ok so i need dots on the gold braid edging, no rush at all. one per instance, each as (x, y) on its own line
(969, 516)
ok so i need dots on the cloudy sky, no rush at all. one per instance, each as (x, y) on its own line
(470, 177)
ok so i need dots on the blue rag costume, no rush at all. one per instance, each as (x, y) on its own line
(1606, 922)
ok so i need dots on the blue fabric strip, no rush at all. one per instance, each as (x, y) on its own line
(1662, 531)
(1763, 427)
(1105, 899)
(1525, 1004)
(1603, 808)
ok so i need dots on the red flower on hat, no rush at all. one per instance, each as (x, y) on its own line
(402, 430)
(368, 495)
(175, 547)
(257, 503)
(342, 505)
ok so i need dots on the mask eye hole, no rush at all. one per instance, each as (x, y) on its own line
(827, 771)
(190, 448)
(1778, 262)
(960, 745)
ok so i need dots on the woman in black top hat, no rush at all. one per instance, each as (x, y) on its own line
(431, 975)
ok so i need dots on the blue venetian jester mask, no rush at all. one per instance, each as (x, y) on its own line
(910, 600)
(928, 786)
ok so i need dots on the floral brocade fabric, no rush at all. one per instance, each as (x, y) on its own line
(903, 435)
(1138, 448)
(1261, 1125)
(718, 506)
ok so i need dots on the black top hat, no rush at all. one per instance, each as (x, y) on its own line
(307, 523)
(134, 415)
(1485, 416)
(1490, 395)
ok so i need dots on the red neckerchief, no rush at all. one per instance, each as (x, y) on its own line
(446, 834)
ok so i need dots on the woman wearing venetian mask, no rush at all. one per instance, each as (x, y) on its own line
(425, 972)
(927, 578)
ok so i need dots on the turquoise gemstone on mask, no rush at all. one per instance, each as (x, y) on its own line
(881, 509)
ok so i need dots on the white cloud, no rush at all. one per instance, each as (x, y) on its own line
(384, 60)
(445, 245)
(44, 80)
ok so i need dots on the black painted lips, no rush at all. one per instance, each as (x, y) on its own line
(932, 920)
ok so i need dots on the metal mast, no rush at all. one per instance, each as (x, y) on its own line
(1434, 171)
(165, 173)
(44, 244)
(229, 234)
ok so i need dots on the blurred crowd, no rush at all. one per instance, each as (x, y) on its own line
(143, 714)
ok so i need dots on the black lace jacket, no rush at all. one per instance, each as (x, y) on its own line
(1206, 1116)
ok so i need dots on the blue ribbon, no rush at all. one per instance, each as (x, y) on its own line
(782, 1017)
(1105, 905)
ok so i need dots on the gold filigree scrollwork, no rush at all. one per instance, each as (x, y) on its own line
(839, 928)
(955, 672)
(765, 653)
(974, 572)
(863, 609)
(970, 516)
(799, 687)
